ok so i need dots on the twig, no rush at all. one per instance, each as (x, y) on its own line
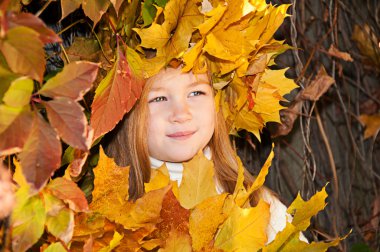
(43, 8)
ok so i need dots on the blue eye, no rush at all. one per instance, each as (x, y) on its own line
(197, 93)
(158, 99)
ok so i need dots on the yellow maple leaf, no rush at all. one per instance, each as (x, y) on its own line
(159, 178)
(111, 184)
(205, 219)
(198, 181)
(244, 229)
(177, 242)
(171, 38)
(302, 210)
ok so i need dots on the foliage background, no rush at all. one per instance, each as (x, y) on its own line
(333, 149)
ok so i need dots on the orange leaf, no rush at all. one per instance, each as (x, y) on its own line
(372, 124)
(115, 96)
(177, 242)
(69, 192)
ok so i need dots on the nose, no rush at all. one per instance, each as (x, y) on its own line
(180, 112)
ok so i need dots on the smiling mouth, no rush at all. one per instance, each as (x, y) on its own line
(181, 135)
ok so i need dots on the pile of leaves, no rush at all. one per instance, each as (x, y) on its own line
(168, 217)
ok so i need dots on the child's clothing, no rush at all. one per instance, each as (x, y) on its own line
(278, 214)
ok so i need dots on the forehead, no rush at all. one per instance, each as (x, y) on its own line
(175, 77)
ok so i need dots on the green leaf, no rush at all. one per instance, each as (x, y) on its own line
(69, 192)
(73, 82)
(19, 92)
(24, 58)
(6, 78)
(61, 225)
(28, 220)
(115, 96)
(41, 154)
(55, 247)
(148, 12)
(15, 126)
(46, 34)
(67, 117)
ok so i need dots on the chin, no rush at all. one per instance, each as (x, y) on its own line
(180, 157)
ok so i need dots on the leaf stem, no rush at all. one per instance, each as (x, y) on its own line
(43, 8)
(64, 53)
(71, 25)
(100, 44)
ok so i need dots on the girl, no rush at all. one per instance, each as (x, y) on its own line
(174, 119)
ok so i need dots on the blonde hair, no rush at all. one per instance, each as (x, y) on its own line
(129, 147)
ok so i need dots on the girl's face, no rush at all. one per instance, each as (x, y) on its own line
(181, 115)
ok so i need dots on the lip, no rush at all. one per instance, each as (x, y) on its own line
(181, 135)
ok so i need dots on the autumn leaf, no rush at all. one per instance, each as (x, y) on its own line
(28, 220)
(15, 126)
(46, 35)
(180, 18)
(205, 219)
(68, 6)
(116, 4)
(7, 198)
(114, 242)
(67, 118)
(302, 211)
(198, 181)
(72, 82)
(69, 192)
(110, 195)
(321, 83)
(24, 58)
(6, 78)
(115, 96)
(19, 92)
(61, 225)
(41, 154)
(244, 230)
(55, 247)
(94, 9)
(159, 178)
(177, 242)
(174, 218)
(146, 210)
(372, 124)
(333, 51)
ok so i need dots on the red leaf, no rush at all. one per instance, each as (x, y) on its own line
(115, 96)
(73, 82)
(47, 35)
(67, 117)
(69, 192)
(24, 58)
(41, 154)
(174, 217)
(13, 138)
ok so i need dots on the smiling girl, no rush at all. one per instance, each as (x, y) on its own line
(175, 118)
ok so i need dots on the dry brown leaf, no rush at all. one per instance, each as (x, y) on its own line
(288, 117)
(333, 51)
(318, 86)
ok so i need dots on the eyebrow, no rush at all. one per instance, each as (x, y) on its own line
(196, 83)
